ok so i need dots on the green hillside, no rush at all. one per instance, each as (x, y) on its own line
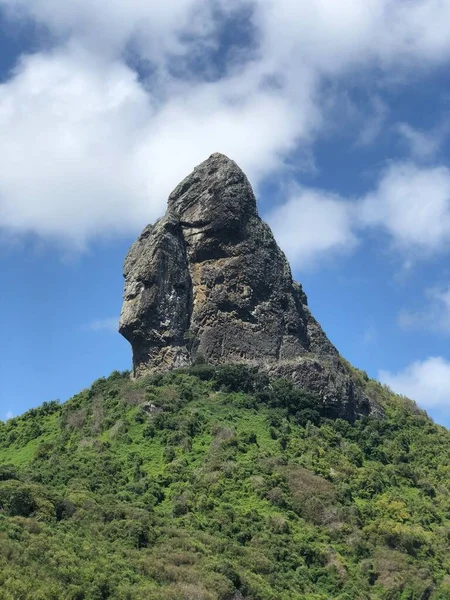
(210, 484)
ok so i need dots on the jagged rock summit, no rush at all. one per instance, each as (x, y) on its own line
(208, 282)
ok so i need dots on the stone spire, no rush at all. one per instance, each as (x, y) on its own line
(209, 282)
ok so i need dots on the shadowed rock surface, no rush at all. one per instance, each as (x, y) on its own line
(208, 282)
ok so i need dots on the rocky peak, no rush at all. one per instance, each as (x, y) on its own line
(216, 195)
(208, 282)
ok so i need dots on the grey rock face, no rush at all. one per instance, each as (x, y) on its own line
(209, 281)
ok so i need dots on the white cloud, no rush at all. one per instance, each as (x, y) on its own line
(435, 317)
(422, 145)
(89, 149)
(156, 28)
(335, 36)
(105, 324)
(85, 150)
(67, 123)
(427, 382)
(412, 204)
(10, 415)
(327, 34)
(311, 224)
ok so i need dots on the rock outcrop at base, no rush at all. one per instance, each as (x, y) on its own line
(208, 282)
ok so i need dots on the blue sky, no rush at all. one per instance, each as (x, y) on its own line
(339, 113)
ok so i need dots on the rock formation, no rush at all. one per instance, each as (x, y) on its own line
(208, 282)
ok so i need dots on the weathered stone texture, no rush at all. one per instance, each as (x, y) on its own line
(209, 281)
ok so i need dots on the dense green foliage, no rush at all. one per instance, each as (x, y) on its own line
(210, 484)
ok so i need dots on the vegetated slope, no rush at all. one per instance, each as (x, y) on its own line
(208, 483)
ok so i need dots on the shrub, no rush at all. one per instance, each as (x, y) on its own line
(235, 378)
(18, 498)
(8, 472)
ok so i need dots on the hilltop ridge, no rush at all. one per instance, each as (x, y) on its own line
(204, 483)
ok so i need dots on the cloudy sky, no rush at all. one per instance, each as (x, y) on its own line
(339, 113)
